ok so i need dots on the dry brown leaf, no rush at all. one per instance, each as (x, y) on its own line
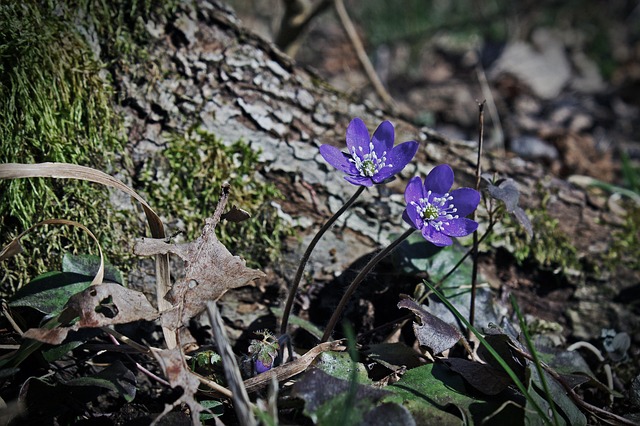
(98, 306)
(74, 171)
(210, 270)
(11, 249)
(236, 215)
(178, 374)
(431, 332)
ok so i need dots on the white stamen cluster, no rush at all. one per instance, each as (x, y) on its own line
(434, 212)
(368, 164)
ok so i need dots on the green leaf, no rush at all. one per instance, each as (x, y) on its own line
(116, 378)
(339, 410)
(340, 365)
(570, 413)
(87, 264)
(433, 392)
(428, 392)
(49, 292)
(331, 401)
(216, 407)
(416, 255)
(490, 349)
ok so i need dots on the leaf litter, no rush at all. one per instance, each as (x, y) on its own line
(210, 270)
(472, 389)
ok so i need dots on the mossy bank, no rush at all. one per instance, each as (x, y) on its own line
(56, 68)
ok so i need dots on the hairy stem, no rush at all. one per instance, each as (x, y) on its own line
(307, 254)
(354, 285)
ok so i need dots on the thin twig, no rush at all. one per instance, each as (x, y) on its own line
(114, 336)
(213, 385)
(474, 272)
(7, 315)
(597, 411)
(491, 103)
(297, 17)
(119, 336)
(290, 369)
(362, 55)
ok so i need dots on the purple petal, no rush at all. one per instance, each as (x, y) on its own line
(411, 216)
(357, 136)
(465, 200)
(436, 238)
(439, 180)
(338, 159)
(413, 191)
(260, 367)
(406, 218)
(383, 138)
(359, 180)
(398, 158)
(459, 227)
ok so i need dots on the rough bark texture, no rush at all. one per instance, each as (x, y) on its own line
(212, 72)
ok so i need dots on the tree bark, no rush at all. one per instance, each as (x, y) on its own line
(214, 73)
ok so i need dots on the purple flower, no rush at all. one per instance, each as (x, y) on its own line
(435, 211)
(370, 161)
(262, 367)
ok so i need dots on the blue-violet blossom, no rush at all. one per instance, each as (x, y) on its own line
(435, 211)
(370, 161)
(261, 367)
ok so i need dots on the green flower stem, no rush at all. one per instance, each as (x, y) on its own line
(307, 254)
(354, 285)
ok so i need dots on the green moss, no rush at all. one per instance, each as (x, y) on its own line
(183, 182)
(626, 243)
(549, 248)
(57, 106)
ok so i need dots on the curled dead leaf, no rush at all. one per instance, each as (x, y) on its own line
(433, 333)
(236, 215)
(210, 270)
(98, 306)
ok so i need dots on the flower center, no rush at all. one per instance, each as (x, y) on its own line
(430, 212)
(368, 168)
(368, 165)
(436, 212)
